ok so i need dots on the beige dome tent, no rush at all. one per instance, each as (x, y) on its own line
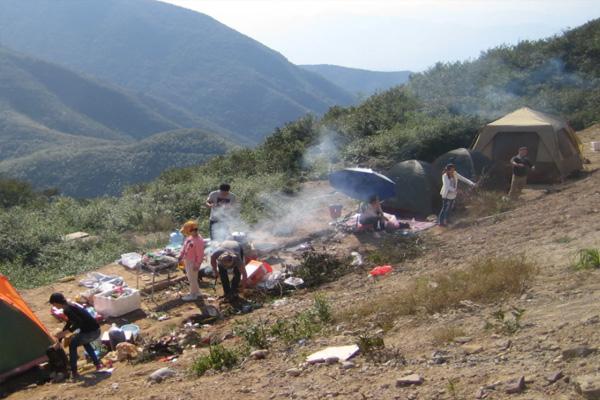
(553, 145)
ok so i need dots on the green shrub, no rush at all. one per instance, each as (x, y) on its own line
(587, 259)
(317, 268)
(219, 358)
(254, 333)
(303, 325)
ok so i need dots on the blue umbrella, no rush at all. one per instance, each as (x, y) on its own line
(362, 183)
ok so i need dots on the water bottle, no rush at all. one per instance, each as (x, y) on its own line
(176, 239)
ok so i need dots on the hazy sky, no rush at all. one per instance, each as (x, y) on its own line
(393, 34)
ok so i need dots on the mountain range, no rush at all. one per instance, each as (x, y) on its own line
(359, 82)
(92, 90)
(182, 57)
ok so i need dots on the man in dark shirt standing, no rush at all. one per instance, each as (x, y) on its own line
(89, 330)
(521, 166)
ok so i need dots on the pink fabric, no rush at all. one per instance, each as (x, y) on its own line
(193, 249)
(415, 225)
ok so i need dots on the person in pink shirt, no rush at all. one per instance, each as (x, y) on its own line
(192, 255)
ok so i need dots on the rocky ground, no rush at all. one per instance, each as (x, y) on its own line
(551, 351)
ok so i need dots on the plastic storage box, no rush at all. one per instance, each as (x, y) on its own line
(107, 305)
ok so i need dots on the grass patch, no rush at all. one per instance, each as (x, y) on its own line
(254, 333)
(446, 334)
(484, 203)
(219, 358)
(563, 240)
(484, 280)
(504, 322)
(303, 325)
(396, 249)
(587, 259)
(373, 349)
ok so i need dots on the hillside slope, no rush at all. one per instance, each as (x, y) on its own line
(105, 169)
(62, 100)
(360, 82)
(180, 56)
(455, 351)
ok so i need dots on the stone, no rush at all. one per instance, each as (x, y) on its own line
(463, 339)
(588, 386)
(439, 357)
(516, 386)
(294, 371)
(408, 380)
(347, 365)
(161, 374)
(472, 348)
(577, 352)
(590, 320)
(259, 354)
(554, 376)
(481, 394)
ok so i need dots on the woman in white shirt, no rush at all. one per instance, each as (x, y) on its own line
(450, 180)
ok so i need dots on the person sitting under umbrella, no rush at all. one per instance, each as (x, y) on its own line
(372, 214)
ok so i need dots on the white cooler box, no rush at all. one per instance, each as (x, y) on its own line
(108, 306)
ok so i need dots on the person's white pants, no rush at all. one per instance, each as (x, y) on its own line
(192, 275)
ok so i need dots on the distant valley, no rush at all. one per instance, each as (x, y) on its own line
(360, 82)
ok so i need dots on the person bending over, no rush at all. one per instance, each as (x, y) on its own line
(86, 330)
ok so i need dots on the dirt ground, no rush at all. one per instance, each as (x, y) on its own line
(562, 311)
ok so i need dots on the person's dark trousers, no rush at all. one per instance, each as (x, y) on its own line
(230, 290)
(445, 211)
(85, 340)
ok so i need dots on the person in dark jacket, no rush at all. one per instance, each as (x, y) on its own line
(86, 328)
(228, 257)
(521, 167)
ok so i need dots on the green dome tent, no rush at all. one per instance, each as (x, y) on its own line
(459, 157)
(23, 337)
(416, 191)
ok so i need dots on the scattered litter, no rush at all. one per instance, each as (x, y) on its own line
(294, 281)
(381, 270)
(130, 260)
(95, 280)
(341, 353)
(357, 259)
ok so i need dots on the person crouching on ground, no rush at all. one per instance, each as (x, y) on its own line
(228, 258)
(87, 329)
(373, 214)
(192, 254)
(449, 190)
